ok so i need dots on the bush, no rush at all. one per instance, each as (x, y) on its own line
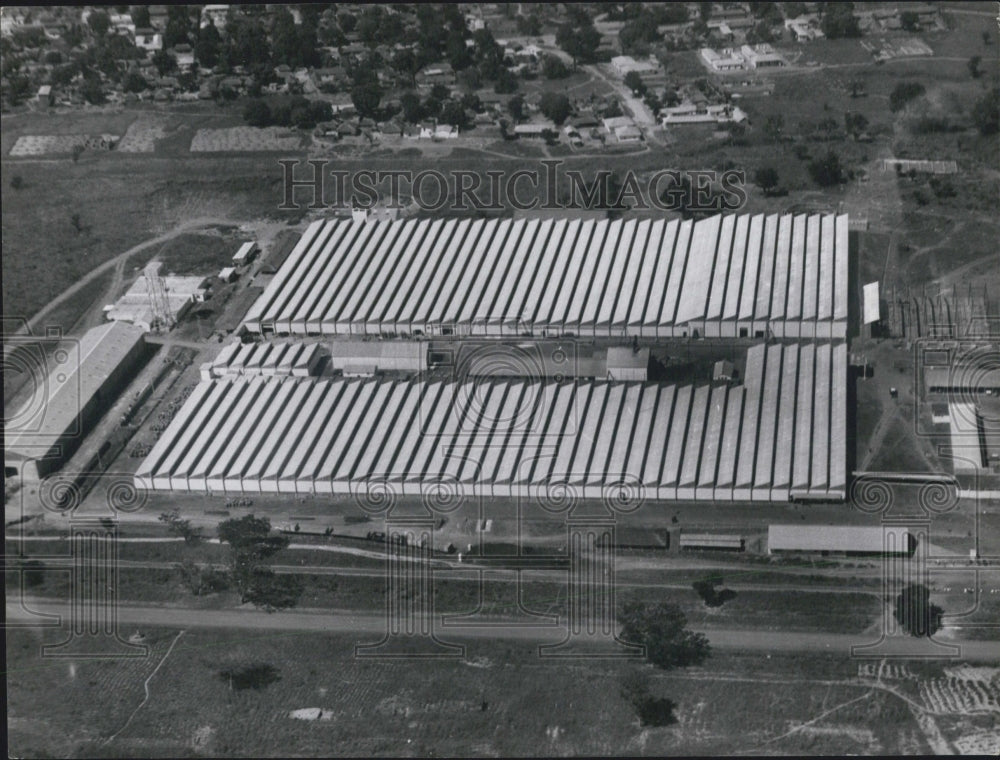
(903, 93)
(914, 612)
(651, 711)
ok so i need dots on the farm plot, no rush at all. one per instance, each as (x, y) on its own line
(142, 135)
(245, 139)
(43, 145)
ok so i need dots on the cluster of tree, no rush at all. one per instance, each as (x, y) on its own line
(839, 20)
(661, 629)
(903, 93)
(915, 613)
(710, 594)
(251, 545)
(766, 177)
(295, 111)
(827, 170)
(578, 37)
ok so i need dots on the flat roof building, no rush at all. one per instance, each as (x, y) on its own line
(840, 539)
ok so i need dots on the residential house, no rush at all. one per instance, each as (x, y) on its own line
(148, 39)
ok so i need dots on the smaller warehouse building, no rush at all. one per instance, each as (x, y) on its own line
(267, 359)
(728, 542)
(83, 383)
(359, 358)
(840, 540)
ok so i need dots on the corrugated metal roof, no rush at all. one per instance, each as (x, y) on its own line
(672, 439)
(600, 277)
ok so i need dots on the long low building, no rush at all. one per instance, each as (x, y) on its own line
(779, 436)
(81, 385)
(840, 539)
(782, 276)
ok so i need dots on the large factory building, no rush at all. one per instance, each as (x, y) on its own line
(726, 276)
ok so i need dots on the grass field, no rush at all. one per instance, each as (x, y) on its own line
(499, 699)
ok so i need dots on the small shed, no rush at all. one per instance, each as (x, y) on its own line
(626, 363)
(228, 274)
(723, 371)
(246, 253)
(713, 542)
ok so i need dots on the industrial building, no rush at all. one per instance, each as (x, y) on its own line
(153, 301)
(778, 436)
(354, 358)
(840, 539)
(777, 276)
(85, 378)
(267, 359)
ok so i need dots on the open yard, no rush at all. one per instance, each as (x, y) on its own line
(247, 686)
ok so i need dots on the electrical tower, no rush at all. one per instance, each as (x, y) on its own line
(159, 304)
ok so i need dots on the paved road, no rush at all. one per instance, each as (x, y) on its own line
(374, 625)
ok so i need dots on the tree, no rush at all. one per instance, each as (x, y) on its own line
(366, 96)
(774, 126)
(17, 182)
(915, 613)
(555, 106)
(405, 62)
(516, 107)
(99, 22)
(660, 628)
(251, 545)
(634, 82)
(506, 82)
(412, 108)
(529, 25)
(134, 82)
(839, 20)
(766, 178)
(74, 219)
(164, 62)
(179, 527)
(903, 93)
(178, 26)
(651, 711)
(910, 21)
(452, 112)
(974, 66)
(285, 38)
(826, 171)
(93, 90)
(986, 113)
(554, 68)
(206, 49)
(140, 16)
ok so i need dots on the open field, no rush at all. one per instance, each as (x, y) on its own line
(502, 693)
